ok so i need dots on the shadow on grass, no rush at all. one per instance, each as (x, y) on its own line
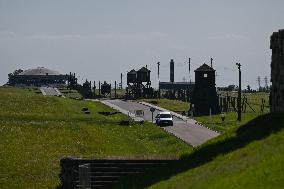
(256, 129)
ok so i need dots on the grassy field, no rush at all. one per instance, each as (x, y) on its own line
(254, 100)
(214, 122)
(36, 131)
(120, 93)
(250, 156)
(173, 105)
(69, 93)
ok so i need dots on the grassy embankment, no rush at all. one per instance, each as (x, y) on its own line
(36, 131)
(69, 93)
(215, 122)
(250, 156)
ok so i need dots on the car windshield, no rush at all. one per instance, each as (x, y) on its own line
(165, 115)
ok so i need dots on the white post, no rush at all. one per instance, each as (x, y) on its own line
(210, 115)
(84, 176)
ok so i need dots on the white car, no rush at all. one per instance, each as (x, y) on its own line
(164, 118)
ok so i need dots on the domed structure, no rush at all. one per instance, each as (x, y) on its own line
(37, 77)
(40, 71)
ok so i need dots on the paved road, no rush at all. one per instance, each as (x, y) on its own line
(50, 91)
(188, 131)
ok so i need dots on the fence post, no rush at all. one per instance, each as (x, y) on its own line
(84, 176)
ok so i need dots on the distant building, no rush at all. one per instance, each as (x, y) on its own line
(277, 71)
(175, 86)
(139, 84)
(204, 96)
(37, 77)
(176, 90)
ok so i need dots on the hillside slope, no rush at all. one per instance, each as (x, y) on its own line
(37, 131)
(251, 156)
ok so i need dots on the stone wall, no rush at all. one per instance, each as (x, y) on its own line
(277, 71)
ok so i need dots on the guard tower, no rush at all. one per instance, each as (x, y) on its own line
(131, 88)
(139, 83)
(204, 96)
(143, 77)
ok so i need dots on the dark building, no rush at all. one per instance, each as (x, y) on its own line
(132, 77)
(37, 77)
(277, 71)
(204, 95)
(143, 75)
(105, 88)
(139, 83)
(186, 86)
(175, 90)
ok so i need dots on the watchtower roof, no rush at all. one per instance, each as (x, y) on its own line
(144, 69)
(132, 72)
(204, 68)
(40, 71)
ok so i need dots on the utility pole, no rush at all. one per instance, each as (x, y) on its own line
(94, 88)
(239, 94)
(115, 89)
(158, 63)
(189, 69)
(99, 88)
(121, 81)
(266, 82)
(258, 81)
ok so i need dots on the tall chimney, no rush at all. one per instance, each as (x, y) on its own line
(172, 71)
(211, 62)
(189, 66)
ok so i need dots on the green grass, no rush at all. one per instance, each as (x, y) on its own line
(173, 105)
(37, 131)
(120, 93)
(250, 156)
(214, 122)
(69, 93)
(254, 100)
(230, 121)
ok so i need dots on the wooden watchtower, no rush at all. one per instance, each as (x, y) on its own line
(204, 98)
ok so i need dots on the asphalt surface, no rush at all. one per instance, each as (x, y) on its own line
(185, 129)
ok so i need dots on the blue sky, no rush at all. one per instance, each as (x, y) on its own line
(101, 39)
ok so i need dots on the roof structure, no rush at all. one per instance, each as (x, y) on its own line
(204, 68)
(132, 72)
(144, 69)
(40, 71)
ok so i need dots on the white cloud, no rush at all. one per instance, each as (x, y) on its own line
(43, 36)
(96, 36)
(7, 35)
(231, 36)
